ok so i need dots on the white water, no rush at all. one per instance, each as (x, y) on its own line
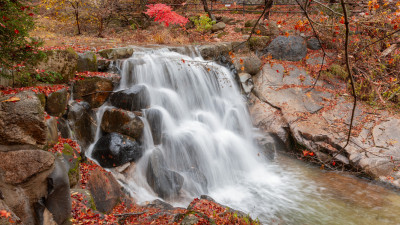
(206, 125)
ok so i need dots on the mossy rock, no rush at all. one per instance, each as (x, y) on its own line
(42, 99)
(94, 90)
(72, 159)
(220, 35)
(259, 43)
(56, 103)
(64, 62)
(87, 62)
(116, 53)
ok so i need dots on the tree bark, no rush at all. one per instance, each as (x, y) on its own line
(268, 6)
(207, 10)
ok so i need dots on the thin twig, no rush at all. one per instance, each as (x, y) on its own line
(381, 39)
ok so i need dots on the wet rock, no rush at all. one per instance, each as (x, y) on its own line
(251, 64)
(214, 50)
(103, 65)
(123, 122)
(63, 128)
(81, 120)
(87, 62)
(19, 166)
(291, 48)
(22, 122)
(58, 202)
(63, 62)
(198, 177)
(164, 182)
(114, 150)
(51, 132)
(133, 99)
(105, 190)
(56, 103)
(155, 119)
(159, 204)
(94, 90)
(117, 53)
(313, 44)
(218, 26)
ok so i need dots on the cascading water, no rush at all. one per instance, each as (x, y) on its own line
(198, 128)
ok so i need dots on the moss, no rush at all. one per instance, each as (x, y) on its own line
(338, 71)
(220, 35)
(258, 43)
(42, 99)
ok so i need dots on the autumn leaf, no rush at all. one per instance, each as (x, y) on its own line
(4, 213)
(258, 31)
(241, 61)
(16, 31)
(183, 60)
(242, 68)
(12, 99)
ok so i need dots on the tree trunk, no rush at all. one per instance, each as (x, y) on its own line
(268, 5)
(207, 10)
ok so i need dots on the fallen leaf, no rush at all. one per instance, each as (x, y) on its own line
(12, 99)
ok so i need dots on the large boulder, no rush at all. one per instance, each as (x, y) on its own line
(58, 201)
(64, 62)
(23, 181)
(81, 120)
(87, 62)
(133, 99)
(291, 48)
(56, 103)
(155, 120)
(113, 150)
(21, 121)
(164, 182)
(117, 53)
(123, 122)
(105, 190)
(94, 90)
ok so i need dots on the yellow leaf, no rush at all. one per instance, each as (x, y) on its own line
(12, 99)
(242, 68)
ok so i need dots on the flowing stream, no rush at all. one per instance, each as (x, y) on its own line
(206, 127)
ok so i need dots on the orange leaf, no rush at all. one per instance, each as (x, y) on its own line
(4, 213)
(12, 99)
(258, 31)
(241, 61)
(242, 68)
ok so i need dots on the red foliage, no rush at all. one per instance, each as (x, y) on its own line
(164, 14)
(38, 89)
(83, 75)
(58, 148)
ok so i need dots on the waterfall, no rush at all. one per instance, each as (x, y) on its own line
(205, 136)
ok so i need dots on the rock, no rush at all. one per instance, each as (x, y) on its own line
(71, 159)
(218, 26)
(246, 82)
(258, 43)
(291, 48)
(155, 120)
(94, 90)
(81, 120)
(250, 23)
(105, 190)
(133, 99)
(117, 53)
(271, 29)
(190, 220)
(63, 128)
(19, 166)
(199, 178)
(251, 64)
(159, 204)
(228, 20)
(215, 50)
(313, 44)
(51, 132)
(114, 150)
(87, 62)
(56, 103)
(64, 62)
(103, 65)
(58, 202)
(23, 182)
(164, 182)
(123, 122)
(42, 98)
(316, 61)
(22, 122)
